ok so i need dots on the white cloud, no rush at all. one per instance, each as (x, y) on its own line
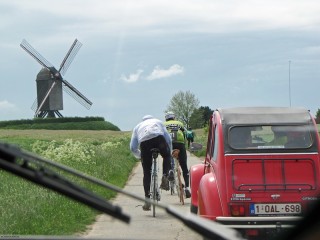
(158, 73)
(6, 106)
(133, 77)
(8, 110)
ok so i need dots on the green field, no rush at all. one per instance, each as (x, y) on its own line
(27, 209)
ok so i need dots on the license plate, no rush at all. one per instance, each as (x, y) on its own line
(283, 208)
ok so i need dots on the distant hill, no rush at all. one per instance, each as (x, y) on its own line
(66, 123)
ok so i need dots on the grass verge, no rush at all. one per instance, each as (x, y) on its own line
(27, 209)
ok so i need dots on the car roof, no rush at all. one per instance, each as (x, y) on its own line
(264, 115)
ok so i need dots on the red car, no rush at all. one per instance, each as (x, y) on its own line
(261, 169)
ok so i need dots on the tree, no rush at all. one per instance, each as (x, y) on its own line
(207, 112)
(200, 117)
(196, 119)
(318, 116)
(183, 104)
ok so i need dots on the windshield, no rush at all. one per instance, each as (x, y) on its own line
(270, 137)
(87, 72)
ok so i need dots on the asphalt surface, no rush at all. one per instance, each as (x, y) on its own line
(143, 225)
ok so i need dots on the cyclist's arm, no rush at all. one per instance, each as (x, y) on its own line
(134, 145)
(167, 136)
(183, 130)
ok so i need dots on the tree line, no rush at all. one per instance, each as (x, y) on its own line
(186, 107)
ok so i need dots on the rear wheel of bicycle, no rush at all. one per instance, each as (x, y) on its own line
(155, 193)
(181, 195)
(172, 186)
(177, 183)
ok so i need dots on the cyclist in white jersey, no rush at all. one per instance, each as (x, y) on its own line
(148, 134)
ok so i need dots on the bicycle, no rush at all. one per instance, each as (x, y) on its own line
(178, 176)
(154, 186)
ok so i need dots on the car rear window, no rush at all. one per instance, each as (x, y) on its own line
(270, 137)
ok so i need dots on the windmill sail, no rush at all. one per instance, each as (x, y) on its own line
(28, 48)
(78, 96)
(70, 56)
(35, 105)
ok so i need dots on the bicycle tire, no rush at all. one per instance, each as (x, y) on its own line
(154, 188)
(151, 186)
(171, 188)
(181, 196)
(155, 192)
(178, 180)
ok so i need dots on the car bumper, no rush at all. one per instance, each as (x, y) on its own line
(259, 222)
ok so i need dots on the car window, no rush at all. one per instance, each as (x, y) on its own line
(270, 137)
(210, 140)
(216, 144)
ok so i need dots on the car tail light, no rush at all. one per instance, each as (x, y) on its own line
(237, 210)
(252, 232)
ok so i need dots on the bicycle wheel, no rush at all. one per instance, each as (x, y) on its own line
(171, 177)
(177, 182)
(172, 187)
(177, 179)
(181, 196)
(151, 187)
(155, 193)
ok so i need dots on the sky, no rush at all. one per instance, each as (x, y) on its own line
(136, 55)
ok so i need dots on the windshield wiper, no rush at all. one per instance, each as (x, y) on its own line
(31, 167)
(35, 169)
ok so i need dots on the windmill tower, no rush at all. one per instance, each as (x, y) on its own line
(50, 83)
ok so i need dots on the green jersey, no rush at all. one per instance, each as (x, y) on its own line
(176, 130)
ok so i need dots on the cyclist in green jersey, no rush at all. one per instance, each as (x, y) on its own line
(176, 130)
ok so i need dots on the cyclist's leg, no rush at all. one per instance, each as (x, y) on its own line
(146, 161)
(185, 172)
(166, 155)
(171, 171)
(183, 165)
(166, 164)
(172, 163)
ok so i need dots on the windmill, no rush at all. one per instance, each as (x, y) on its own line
(50, 83)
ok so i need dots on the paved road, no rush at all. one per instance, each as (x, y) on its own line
(143, 225)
